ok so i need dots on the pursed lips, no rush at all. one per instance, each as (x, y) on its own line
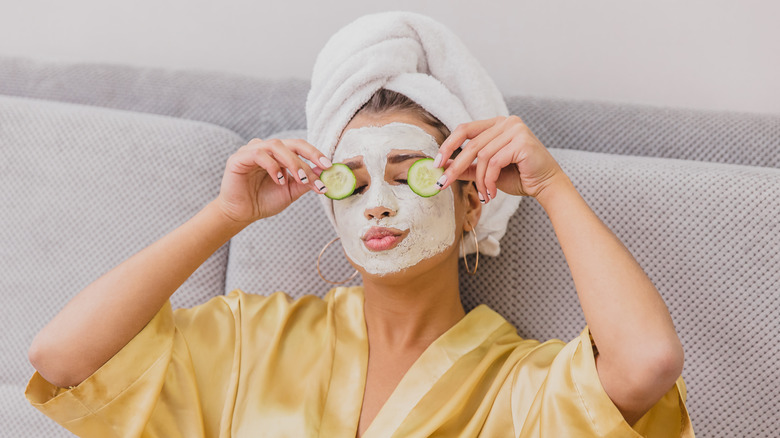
(382, 239)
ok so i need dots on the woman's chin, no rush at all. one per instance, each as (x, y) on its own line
(386, 266)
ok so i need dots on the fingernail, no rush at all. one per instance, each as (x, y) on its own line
(302, 176)
(280, 177)
(489, 195)
(442, 181)
(320, 186)
(325, 162)
(437, 161)
(481, 198)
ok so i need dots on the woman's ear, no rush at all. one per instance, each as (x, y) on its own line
(473, 206)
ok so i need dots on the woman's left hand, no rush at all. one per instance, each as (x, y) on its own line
(509, 158)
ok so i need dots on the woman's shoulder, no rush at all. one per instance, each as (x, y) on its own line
(256, 319)
(529, 356)
(285, 300)
(507, 335)
(242, 305)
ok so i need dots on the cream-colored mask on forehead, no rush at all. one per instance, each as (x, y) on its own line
(430, 221)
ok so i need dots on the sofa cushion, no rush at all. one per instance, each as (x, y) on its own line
(705, 233)
(83, 189)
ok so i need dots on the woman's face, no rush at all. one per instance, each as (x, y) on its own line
(384, 226)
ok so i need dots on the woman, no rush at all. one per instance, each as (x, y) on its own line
(397, 356)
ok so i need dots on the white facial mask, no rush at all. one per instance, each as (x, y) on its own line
(430, 221)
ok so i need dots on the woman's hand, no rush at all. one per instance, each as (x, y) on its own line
(509, 158)
(265, 176)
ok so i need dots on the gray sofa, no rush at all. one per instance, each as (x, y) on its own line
(98, 161)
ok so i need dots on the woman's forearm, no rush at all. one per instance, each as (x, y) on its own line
(108, 313)
(627, 317)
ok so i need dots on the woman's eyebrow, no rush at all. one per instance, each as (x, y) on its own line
(354, 164)
(395, 159)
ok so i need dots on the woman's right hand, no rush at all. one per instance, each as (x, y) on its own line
(251, 186)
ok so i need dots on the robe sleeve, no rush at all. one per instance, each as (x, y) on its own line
(570, 401)
(173, 379)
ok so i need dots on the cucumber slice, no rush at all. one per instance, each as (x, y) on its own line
(339, 180)
(422, 177)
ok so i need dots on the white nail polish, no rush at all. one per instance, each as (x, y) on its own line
(302, 176)
(325, 162)
(437, 161)
(442, 181)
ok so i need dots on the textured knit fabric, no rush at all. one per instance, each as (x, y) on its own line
(250, 366)
(705, 233)
(81, 190)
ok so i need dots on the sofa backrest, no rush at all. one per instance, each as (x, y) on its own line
(255, 107)
(648, 131)
(250, 107)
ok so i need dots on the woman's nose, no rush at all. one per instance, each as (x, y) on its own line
(379, 212)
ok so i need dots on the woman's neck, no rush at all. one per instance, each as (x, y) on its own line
(413, 311)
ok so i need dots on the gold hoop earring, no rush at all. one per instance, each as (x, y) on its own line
(320, 272)
(476, 245)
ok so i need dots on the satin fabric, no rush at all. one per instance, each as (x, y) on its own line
(244, 365)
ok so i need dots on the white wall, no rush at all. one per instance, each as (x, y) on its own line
(709, 54)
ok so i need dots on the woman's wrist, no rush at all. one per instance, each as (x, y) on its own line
(556, 190)
(217, 216)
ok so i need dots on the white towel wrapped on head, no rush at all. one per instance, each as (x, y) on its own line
(420, 58)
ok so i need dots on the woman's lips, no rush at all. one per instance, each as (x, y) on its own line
(382, 239)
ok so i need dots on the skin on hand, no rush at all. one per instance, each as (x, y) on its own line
(509, 158)
(255, 183)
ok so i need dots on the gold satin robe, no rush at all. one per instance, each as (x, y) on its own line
(245, 365)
